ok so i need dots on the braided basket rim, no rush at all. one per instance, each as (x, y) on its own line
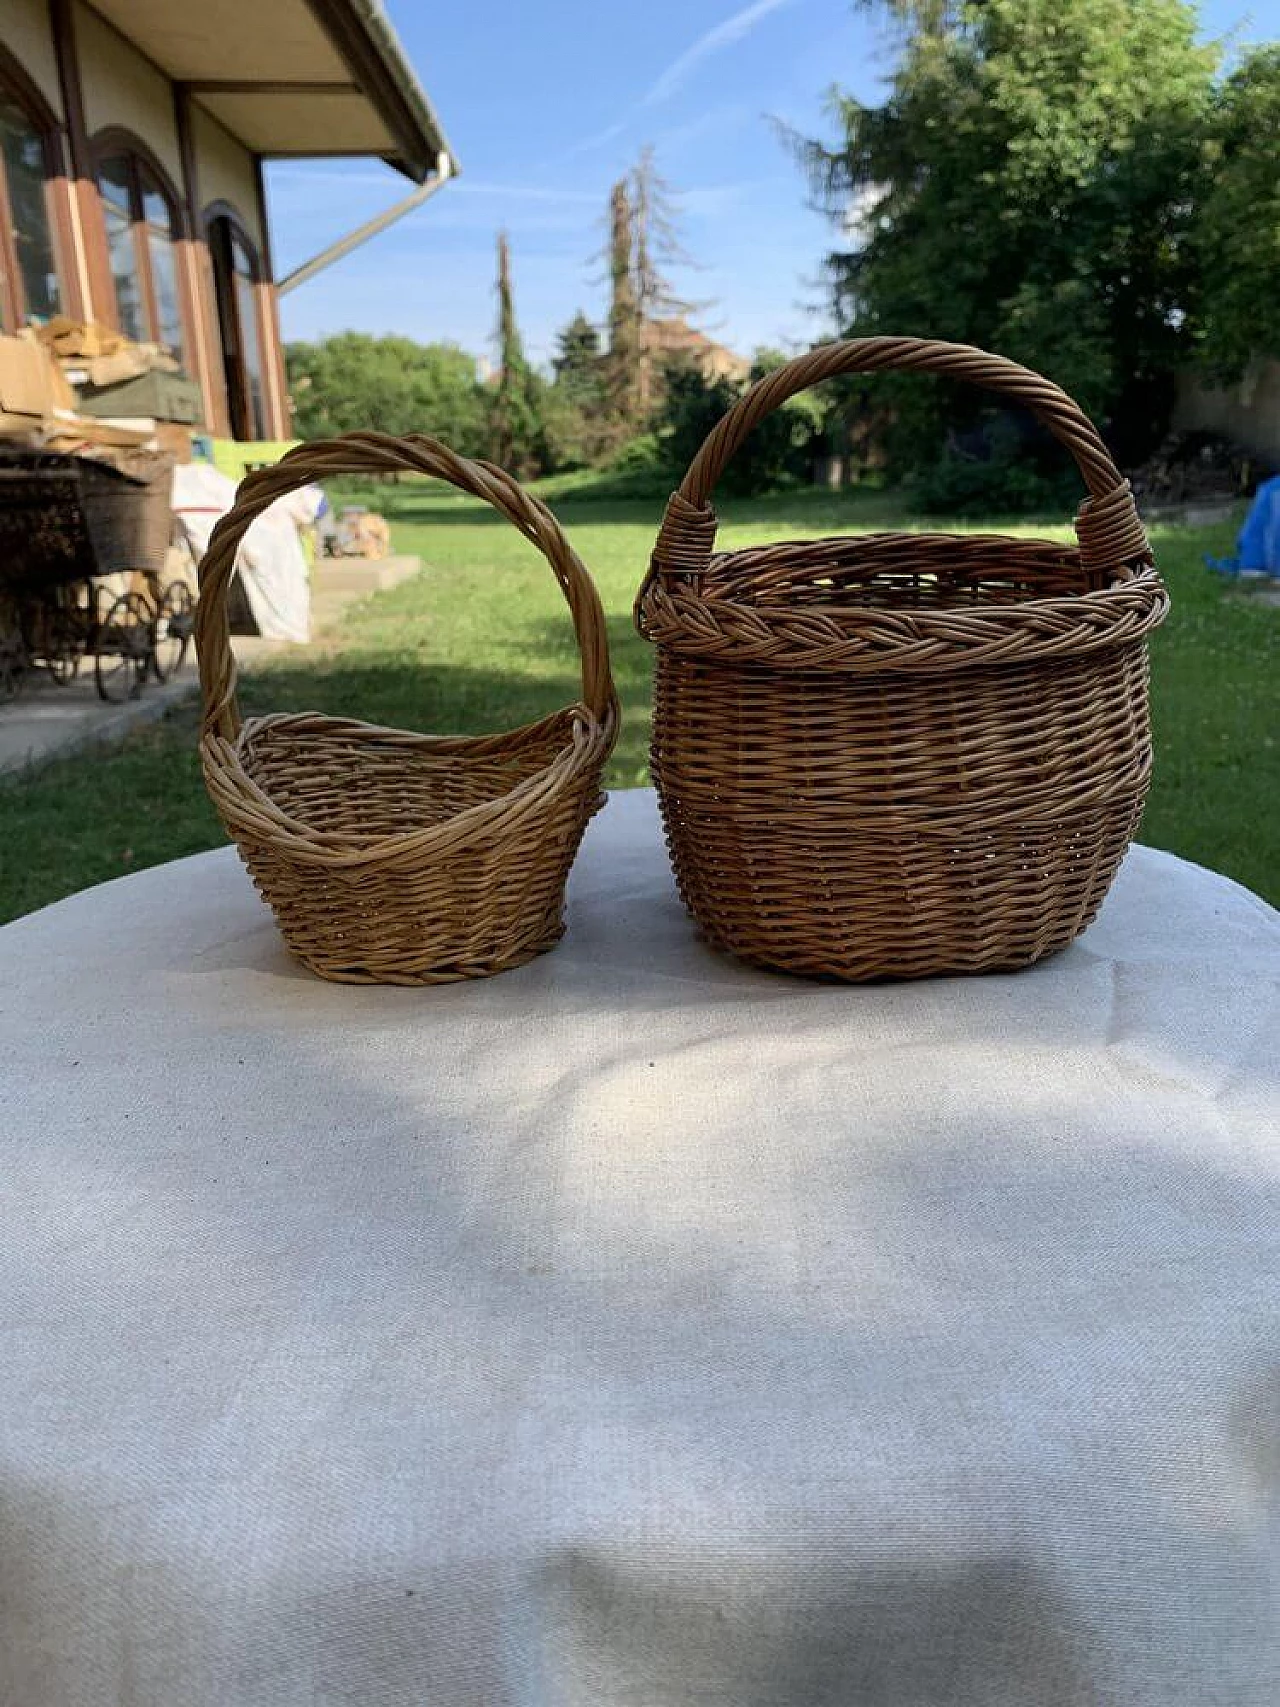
(852, 636)
(237, 794)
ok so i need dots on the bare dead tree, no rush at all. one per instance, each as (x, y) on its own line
(656, 247)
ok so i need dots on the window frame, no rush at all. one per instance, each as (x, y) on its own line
(238, 230)
(18, 85)
(145, 172)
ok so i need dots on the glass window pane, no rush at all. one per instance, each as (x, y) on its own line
(241, 259)
(124, 270)
(247, 310)
(164, 278)
(155, 208)
(113, 182)
(23, 155)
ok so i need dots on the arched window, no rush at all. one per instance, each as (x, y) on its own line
(29, 151)
(140, 208)
(237, 272)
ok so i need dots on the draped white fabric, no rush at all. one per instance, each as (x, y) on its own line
(637, 1329)
(271, 564)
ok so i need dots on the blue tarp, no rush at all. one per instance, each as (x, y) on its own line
(1259, 542)
(1258, 547)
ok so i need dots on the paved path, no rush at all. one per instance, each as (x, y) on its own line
(48, 722)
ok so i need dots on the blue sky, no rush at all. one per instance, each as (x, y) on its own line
(546, 103)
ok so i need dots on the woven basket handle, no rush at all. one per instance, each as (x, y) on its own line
(1107, 523)
(380, 453)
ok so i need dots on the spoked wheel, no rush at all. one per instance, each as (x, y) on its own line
(175, 620)
(62, 641)
(124, 649)
(13, 665)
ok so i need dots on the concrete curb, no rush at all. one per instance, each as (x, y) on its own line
(50, 723)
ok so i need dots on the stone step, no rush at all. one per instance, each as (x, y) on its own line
(359, 576)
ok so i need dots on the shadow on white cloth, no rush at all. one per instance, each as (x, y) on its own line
(636, 1329)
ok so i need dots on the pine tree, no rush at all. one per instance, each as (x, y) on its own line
(577, 359)
(515, 409)
(574, 412)
(624, 325)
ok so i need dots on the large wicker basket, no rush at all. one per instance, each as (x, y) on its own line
(392, 857)
(67, 518)
(901, 754)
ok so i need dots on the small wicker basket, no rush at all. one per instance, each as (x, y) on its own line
(901, 754)
(392, 857)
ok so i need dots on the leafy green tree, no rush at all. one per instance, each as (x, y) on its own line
(779, 450)
(353, 380)
(1029, 185)
(1238, 228)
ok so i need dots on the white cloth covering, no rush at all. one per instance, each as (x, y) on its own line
(271, 564)
(637, 1329)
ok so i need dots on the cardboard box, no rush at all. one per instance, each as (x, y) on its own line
(27, 429)
(125, 364)
(70, 432)
(79, 339)
(175, 439)
(31, 382)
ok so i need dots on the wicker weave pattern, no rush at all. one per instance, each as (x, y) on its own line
(392, 857)
(901, 754)
(68, 518)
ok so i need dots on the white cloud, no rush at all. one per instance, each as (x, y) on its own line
(722, 35)
(597, 141)
(670, 80)
(855, 216)
(715, 121)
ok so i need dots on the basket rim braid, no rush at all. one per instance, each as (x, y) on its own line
(387, 855)
(732, 606)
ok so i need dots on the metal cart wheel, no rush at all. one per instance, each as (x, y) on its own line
(62, 633)
(175, 619)
(13, 667)
(124, 648)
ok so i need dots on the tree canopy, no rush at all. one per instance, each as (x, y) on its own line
(1030, 185)
(1238, 228)
(353, 380)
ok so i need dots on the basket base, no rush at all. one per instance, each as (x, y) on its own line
(912, 825)
(405, 974)
(862, 908)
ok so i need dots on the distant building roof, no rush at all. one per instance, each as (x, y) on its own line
(675, 337)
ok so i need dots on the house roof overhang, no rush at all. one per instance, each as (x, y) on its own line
(294, 77)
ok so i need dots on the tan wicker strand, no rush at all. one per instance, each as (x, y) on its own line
(900, 755)
(389, 856)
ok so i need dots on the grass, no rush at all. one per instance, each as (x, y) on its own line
(482, 641)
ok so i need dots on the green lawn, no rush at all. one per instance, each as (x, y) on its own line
(482, 640)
